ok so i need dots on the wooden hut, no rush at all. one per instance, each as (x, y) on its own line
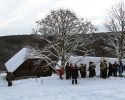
(23, 65)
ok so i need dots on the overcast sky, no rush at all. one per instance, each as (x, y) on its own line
(19, 16)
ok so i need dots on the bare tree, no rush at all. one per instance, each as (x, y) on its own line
(116, 26)
(63, 32)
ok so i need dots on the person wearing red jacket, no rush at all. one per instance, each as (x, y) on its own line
(61, 72)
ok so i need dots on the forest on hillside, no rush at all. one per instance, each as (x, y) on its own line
(10, 45)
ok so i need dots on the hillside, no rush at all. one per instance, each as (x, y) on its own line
(10, 45)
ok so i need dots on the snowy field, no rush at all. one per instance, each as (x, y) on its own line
(52, 88)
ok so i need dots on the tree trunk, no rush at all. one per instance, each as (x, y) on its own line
(63, 61)
(119, 59)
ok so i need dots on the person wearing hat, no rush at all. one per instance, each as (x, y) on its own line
(67, 69)
(91, 69)
(103, 69)
(83, 70)
(114, 69)
(110, 69)
(70, 70)
(120, 69)
(74, 74)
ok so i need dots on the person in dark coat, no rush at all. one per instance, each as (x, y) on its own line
(70, 70)
(114, 69)
(83, 70)
(77, 70)
(74, 74)
(9, 78)
(124, 68)
(91, 69)
(120, 69)
(110, 70)
(67, 69)
(101, 69)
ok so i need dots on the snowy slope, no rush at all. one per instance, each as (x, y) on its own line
(52, 88)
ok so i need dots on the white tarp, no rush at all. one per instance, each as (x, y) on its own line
(85, 60)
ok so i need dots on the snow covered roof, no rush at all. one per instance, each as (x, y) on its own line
(19, 58)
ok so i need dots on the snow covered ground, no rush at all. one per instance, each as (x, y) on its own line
(52, 88)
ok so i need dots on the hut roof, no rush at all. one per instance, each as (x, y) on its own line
(19, 58)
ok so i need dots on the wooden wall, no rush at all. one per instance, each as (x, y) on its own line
(29, 69)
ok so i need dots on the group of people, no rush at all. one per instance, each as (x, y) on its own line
(107, 69)
(72, 71)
